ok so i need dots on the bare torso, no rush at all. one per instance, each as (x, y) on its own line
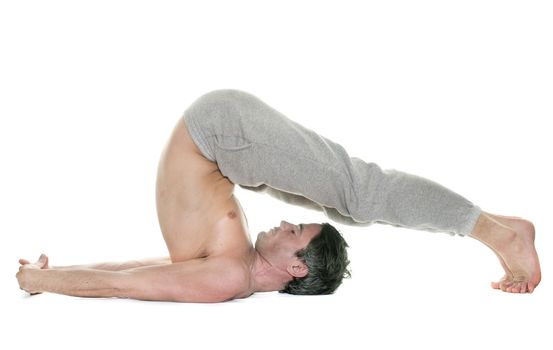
(199, 216)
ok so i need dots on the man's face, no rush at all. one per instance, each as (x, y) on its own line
(279, 244)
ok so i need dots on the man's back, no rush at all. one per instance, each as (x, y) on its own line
(199, 216)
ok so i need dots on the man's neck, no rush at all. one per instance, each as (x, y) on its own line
(266, 277)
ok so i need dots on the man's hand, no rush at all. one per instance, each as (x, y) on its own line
(26, 277)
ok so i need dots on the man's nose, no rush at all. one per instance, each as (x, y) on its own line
(285, 225)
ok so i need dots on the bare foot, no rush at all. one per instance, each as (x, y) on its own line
(512, 239)
(508, 278)
(520, 281)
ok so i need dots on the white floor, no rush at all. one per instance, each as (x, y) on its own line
(460, 94)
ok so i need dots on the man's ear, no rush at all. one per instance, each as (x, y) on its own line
(298, 269)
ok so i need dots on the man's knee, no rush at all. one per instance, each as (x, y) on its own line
(225, 98)
(225, 103)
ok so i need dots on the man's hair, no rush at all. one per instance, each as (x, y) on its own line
(327, 261)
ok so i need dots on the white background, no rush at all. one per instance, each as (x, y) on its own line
(459, 92)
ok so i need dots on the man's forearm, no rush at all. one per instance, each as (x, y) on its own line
(77, 282)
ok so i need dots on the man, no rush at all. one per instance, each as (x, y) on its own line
(230, 137)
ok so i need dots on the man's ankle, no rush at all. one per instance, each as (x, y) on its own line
(493, 233)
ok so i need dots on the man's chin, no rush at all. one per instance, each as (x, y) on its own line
(260, 236)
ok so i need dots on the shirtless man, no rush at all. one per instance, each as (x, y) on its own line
(230, 137)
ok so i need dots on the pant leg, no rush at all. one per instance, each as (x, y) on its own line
(256, 146)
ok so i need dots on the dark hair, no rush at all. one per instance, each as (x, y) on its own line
(326, 258)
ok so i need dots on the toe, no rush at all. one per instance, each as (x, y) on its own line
(506, 285)
(522, 288)
(497, 285)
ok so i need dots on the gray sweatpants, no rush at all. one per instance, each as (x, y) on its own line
(260, 149)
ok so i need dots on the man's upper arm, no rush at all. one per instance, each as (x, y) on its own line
(198, 280)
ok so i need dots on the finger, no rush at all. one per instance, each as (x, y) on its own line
(42, 261)
(24, 261)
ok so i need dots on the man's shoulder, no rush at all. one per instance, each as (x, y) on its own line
(233, 275)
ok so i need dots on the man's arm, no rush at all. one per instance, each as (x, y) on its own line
(199, 280)
(107, 266)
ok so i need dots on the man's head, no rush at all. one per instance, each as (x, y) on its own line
(314, 255)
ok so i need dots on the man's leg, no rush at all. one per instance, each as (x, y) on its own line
(255, 145)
